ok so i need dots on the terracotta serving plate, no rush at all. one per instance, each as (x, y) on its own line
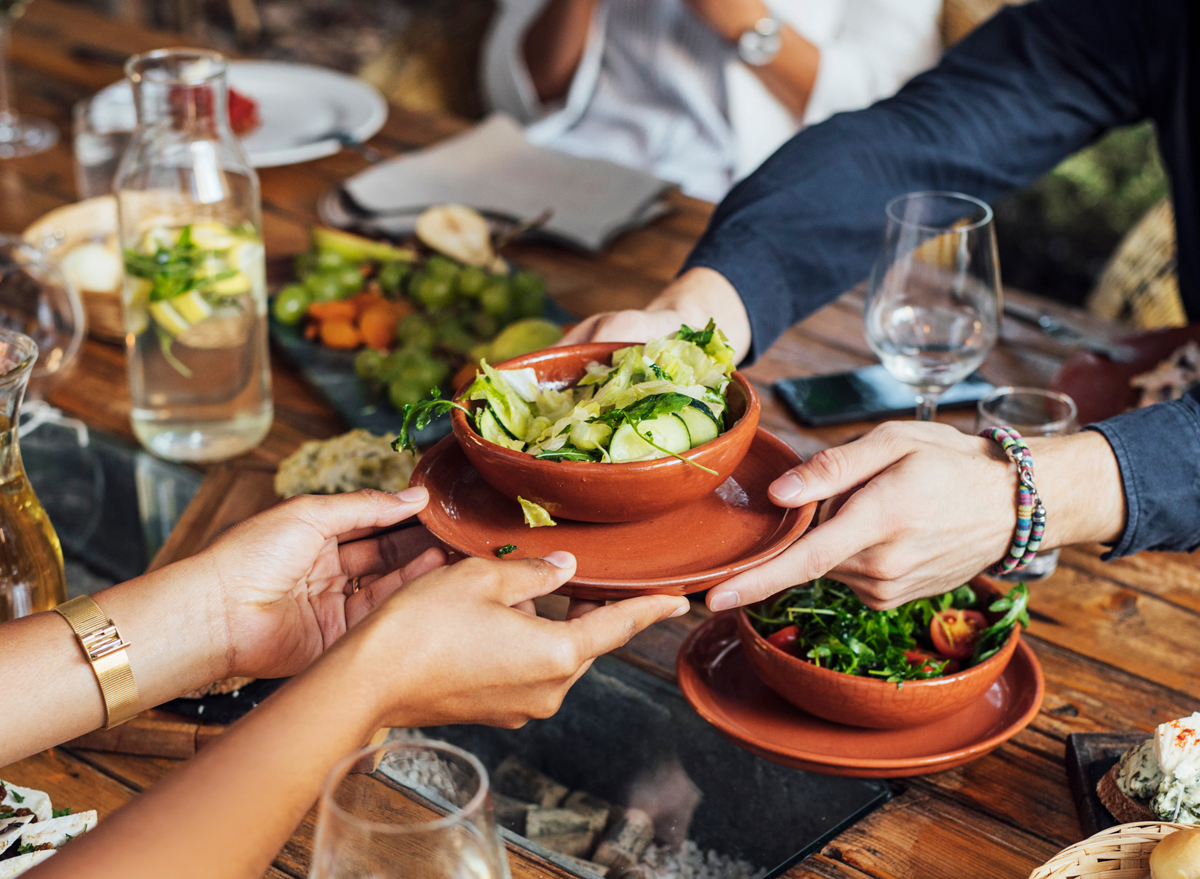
(727, 531)
(716, 678)
(1100, 387)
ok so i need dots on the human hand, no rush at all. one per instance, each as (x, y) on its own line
(693, 298)
(285, 578)
(463, 644)
(917, 509)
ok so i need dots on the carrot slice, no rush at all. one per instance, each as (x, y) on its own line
(340, 334)
(338, 309)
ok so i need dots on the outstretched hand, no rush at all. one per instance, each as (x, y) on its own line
(915, 509)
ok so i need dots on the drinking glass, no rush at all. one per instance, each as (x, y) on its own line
(18, 137)
(1030, 412)
(426, 810)
(933, 299)
(37, 300)
(103, 128)
(195, 296)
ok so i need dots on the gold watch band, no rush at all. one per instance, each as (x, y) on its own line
(105, 650)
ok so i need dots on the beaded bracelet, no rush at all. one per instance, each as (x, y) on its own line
(1031, 515)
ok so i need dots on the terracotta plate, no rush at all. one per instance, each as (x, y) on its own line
(730, 530)
(716, 678)
(1100, 387)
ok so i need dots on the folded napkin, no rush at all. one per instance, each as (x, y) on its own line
(494, 169)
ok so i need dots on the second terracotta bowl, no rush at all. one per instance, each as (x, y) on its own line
(861, 701)
(628, 492)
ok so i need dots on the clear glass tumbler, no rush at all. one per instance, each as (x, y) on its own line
(103, 129)
(19, 135)
(1030, 412)
(408, 809)
(933, 300)
(195, 296)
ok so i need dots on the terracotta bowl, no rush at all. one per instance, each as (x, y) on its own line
(869, 702)
(590, 492)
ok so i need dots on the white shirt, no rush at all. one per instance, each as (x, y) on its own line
(658, 91)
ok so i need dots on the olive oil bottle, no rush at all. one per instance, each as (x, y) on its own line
(31, 562)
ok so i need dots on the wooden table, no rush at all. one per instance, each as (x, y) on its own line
(1117, 641)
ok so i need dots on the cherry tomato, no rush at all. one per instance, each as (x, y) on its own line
(785, 637)
(924, 658)
(954, 632)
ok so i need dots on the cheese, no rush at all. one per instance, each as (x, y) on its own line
(35, 801)
(57, 831)
(18, 865)
(1177, 746)
(10, 831)
(1138, 774)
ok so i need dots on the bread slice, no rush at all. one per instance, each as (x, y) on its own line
(1122, 806)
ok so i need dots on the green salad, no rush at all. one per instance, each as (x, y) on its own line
(827, 624)
(662, 398)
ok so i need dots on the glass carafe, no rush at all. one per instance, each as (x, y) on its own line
(31, 562)
(195, 280)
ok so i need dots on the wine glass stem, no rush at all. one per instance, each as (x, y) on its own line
(927, 406)
(7, 116)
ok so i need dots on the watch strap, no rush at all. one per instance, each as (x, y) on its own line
(106, 653)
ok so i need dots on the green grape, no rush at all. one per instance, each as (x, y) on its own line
(457, 340)
(391, 276)
(442, 267)
(290, 304)
(426, 373)
(351, 280)
(416, 331)
(404, 392)
(485, 325)
(324, 287)
(328, 261)
(496, 297)
(472, 280)
(368, 362)
(529, 294)
(433, 292)
(306, 264)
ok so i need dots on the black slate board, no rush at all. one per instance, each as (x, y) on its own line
(332, 374)
(1089, 757)
(620, 730)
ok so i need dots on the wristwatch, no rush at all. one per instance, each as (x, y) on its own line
(759, 45)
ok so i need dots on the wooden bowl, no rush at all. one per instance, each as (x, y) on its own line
(870, 702)
(1121, 851)
(61, 230)
(589, 492)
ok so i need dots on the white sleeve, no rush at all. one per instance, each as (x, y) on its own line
(878, 47)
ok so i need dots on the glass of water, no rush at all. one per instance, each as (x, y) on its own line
(406, 809)
(1030, 412)
(933, 300)
(104, 125)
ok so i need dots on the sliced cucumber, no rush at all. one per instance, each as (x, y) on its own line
(667, 431)
(701, 425)
(493, 431)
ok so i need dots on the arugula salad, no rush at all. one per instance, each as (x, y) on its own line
(827, 624)
(654, 400)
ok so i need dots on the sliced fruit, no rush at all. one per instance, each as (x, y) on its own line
(212, 236)
(168, 318)
(355, 248)
(192, 306)
(458, 232)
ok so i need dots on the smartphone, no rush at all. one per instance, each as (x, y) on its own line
(865, 394)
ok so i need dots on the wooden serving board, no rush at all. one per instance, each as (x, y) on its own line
(153, 734)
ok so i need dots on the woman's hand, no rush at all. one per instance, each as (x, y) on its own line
(286, 578)
(693, 298)
(463, 644)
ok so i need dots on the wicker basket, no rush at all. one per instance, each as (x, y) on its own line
(1121, 852)
(1139, 285)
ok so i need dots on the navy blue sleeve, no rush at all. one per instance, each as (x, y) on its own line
(1028, 88)
(1158, 451)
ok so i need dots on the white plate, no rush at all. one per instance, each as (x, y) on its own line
(299, 105)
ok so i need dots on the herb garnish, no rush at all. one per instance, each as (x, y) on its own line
(16, 796)
(60, 813)
(839, 632)
(418, 415)
(175, 270)
(697, 337)
(505, 550)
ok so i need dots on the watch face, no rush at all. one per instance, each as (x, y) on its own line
(760, 45)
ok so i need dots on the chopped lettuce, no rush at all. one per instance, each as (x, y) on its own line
(535, 514)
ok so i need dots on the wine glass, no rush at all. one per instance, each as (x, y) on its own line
(18, 137)
(404, 809)
(933, 300)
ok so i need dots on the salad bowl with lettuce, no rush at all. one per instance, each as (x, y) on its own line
(606, 432)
